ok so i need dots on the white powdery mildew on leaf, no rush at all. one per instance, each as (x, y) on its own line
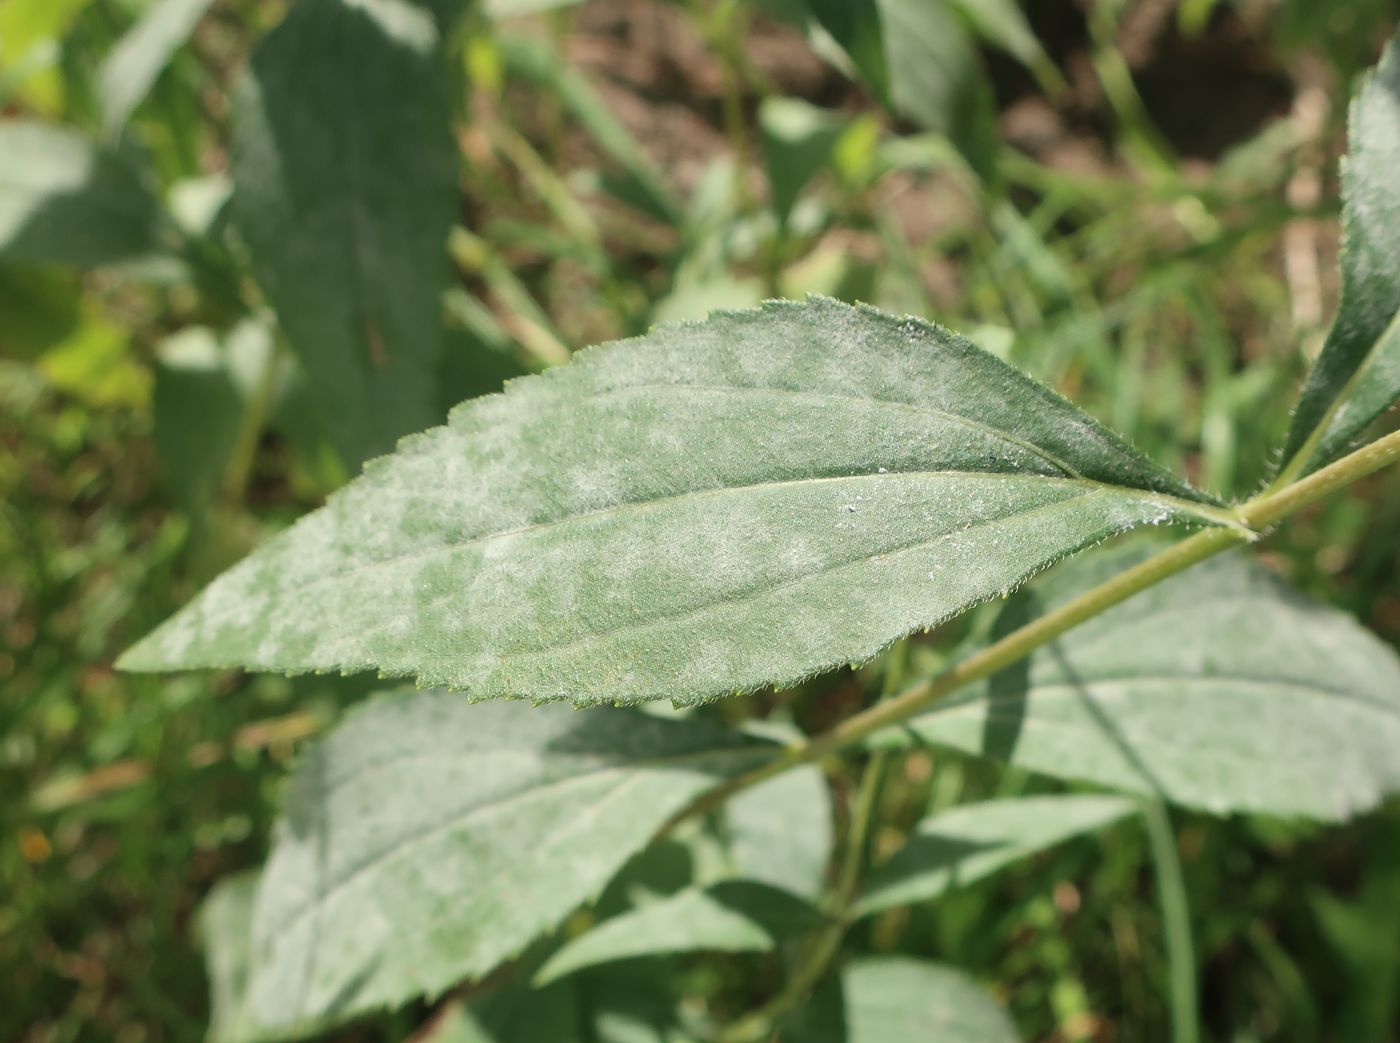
(1221, 688)
(428, 839)
(711, 508)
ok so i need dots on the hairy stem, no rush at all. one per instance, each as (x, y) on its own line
(1256, 515)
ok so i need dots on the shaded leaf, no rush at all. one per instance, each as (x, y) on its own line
(798, 140)
(1221, 688)
(708, 509)
(1003, 24)
(202, 390)
(732, 916)
(549, 1015)
(473, 364)
(1357, 376)
(780, 832)
(427, 840)
(638, 1002)
(856, 26)
(64, 200)
(42, 307)
(130, 70)
(344, 187)
(957, 847)
(936, 79)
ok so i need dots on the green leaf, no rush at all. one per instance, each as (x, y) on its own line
(896, 999)
(956, 847)
(43, 307)
(224, 921)
(223, 927)
(427, 840)
(64, 200)
(708, 509)
(1002, 23)
(473, 366)
(1357, 376)
(798, 140)
(780, 832)
(936, 79)
(1221, 688)
(731, 916)
(344, 187)
(515, 1014)
(130, 70)
(454, 1023)
(202, 390)
(856, 26)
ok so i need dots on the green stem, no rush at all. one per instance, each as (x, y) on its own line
(1258, 514)
(1176, 924)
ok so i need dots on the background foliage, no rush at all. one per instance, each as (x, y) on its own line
(1073, 190)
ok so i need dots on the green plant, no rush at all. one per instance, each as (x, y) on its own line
(742, 503)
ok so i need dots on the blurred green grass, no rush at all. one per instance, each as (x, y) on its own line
(1169, 271)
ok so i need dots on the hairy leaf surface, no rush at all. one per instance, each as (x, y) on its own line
(1221, 688)
(1357, 376)
(732, 916)
(707, 509)
(428, 839)
(344, 178)
(956, 847)
(65, 200)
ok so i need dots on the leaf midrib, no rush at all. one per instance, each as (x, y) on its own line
(1201, 511)
(765, 590)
